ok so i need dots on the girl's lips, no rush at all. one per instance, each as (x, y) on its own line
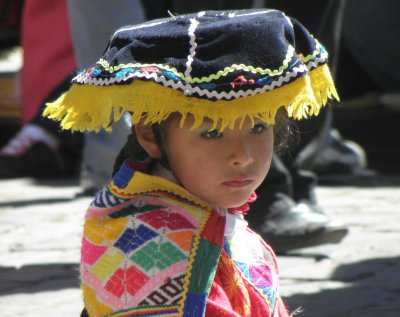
(238, 182)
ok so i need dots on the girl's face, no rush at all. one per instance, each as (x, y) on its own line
(221, 168)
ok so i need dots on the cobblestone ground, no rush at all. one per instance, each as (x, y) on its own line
(40, 227)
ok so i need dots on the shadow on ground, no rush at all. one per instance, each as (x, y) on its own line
(55, 183)
(38, 278)
(374, 290)
(32, 202)
(361, 181)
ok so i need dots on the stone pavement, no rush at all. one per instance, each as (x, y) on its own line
(41, 222)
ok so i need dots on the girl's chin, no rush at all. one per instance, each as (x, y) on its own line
(232, 205)
(228, 202)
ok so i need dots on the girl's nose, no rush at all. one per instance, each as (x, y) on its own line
(240, 153)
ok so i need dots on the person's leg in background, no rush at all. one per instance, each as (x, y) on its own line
(322, 148)
(48, 58)
(368, 34)
(369, 82)
(286, 213)
(286, 222)
(53, 153)
(93, 22)
(48, 53)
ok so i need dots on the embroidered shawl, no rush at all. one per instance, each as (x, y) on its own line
(150, 248)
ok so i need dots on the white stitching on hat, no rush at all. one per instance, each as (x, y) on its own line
(192, 52)
(255, 13)
(139, 26)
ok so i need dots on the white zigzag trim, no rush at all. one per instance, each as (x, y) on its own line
(192, 52)
(201, 92)
(316, 62)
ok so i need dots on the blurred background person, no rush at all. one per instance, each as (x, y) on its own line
(48, 61)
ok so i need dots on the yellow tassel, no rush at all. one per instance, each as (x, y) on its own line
(323, 86)
(91, 108)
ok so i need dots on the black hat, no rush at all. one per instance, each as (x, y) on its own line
(224, 65)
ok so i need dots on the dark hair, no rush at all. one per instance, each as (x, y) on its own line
(285, 136)
(133, 150)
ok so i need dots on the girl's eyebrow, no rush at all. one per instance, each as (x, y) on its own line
(207, 120)
(206, 123)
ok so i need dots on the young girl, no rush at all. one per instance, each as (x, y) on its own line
(167, 237)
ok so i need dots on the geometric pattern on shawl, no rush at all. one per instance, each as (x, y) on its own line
(260, 273)
(143, 255)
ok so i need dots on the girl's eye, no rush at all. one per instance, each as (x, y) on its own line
(260, 127)
(212, 134)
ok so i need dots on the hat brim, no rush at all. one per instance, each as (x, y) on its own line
(91, 108)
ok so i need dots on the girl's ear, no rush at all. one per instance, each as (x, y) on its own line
(146, 138)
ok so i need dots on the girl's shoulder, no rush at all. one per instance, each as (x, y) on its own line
(131, 185)
(143, 193)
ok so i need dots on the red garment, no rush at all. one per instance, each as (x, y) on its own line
(245, 208)
(230, 294)
(48, 52)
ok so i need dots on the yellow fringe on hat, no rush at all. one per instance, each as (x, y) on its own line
(91, 108)
(323, 87)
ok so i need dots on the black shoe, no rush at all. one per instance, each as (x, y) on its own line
(293, 226)
(38, 161)
(340, 156)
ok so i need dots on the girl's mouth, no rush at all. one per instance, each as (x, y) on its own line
(239, 182)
